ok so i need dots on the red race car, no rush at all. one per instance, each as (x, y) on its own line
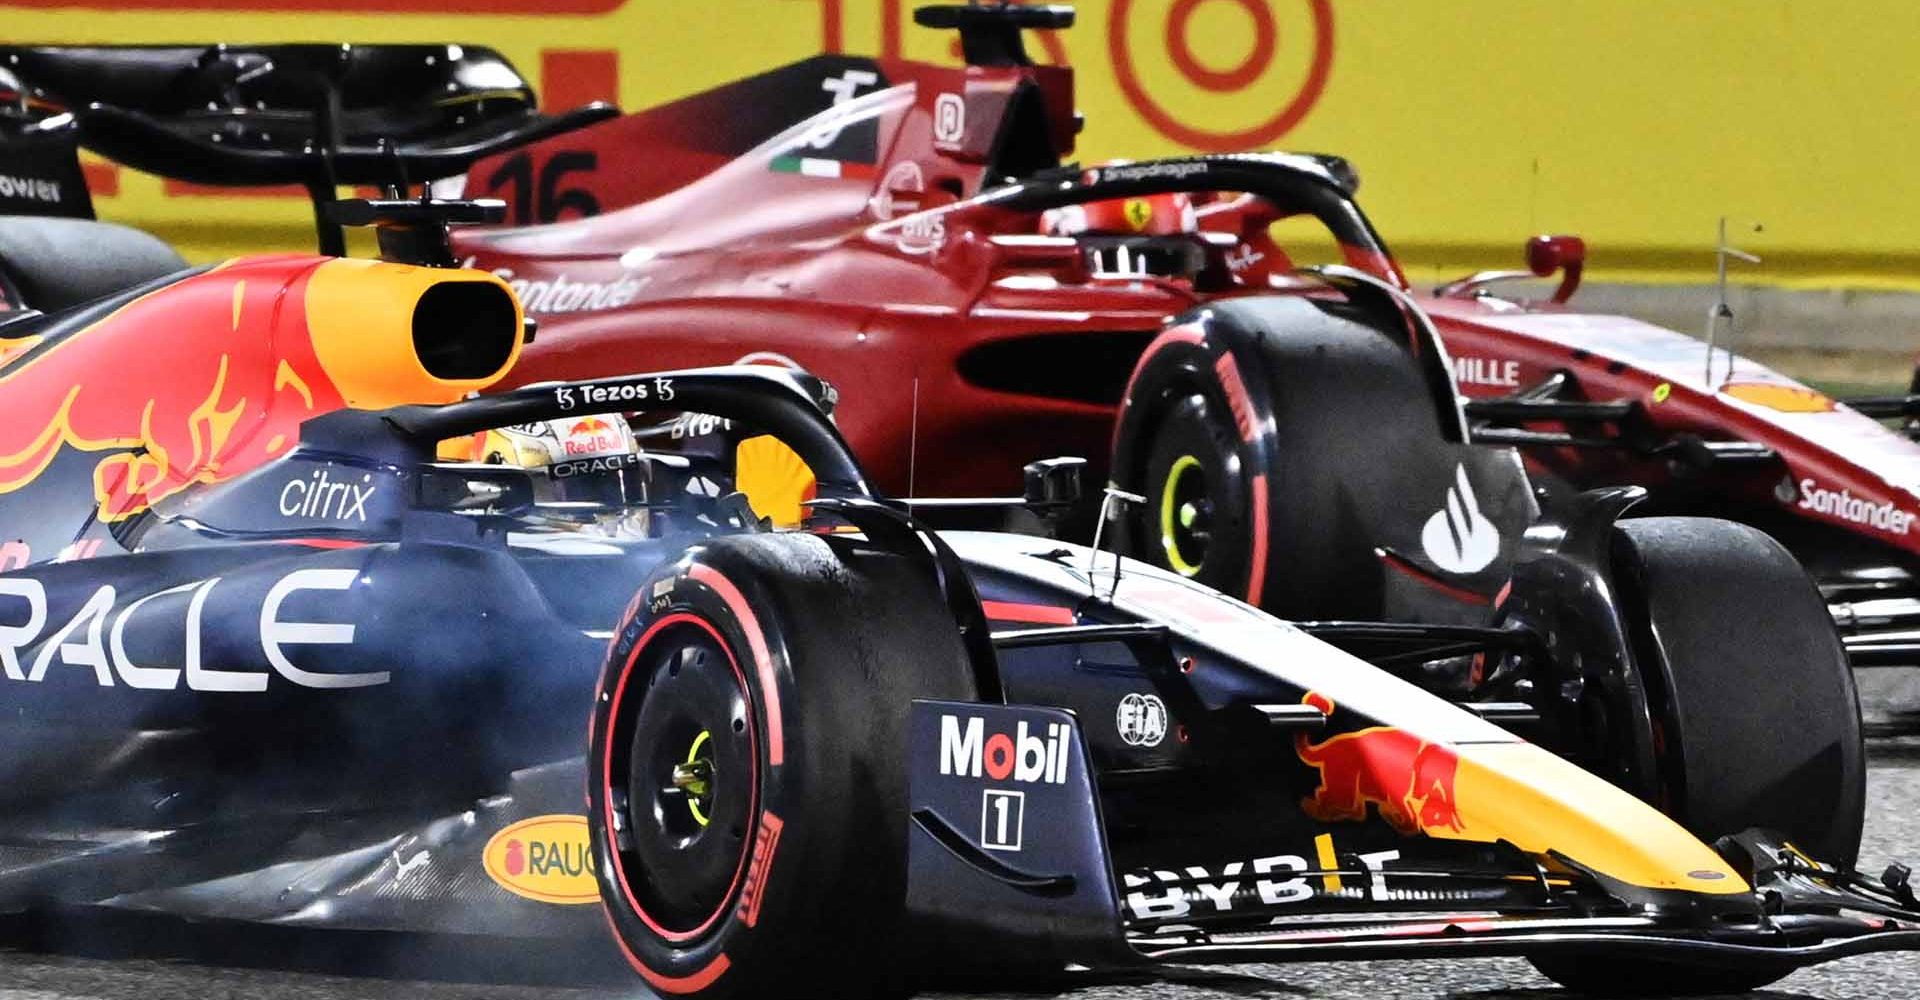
(910, 232)
(913, 233)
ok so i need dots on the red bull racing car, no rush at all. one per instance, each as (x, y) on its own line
(295, 631)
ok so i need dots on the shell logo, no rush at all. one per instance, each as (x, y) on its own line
(1784, 398)
(775, 479)
(548, 859)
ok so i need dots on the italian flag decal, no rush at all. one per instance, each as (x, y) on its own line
(813, 166)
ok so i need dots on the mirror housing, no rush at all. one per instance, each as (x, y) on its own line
(1565, 254)
(474, 488)
(1054, 482)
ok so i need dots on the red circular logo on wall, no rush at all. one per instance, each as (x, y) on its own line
(1247, 73)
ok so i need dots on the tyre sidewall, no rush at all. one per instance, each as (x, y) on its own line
(851, 635)
(701, 961)
(1179, 366)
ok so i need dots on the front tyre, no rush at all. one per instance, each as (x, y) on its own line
(747, 785)
(1199, 510)
(1756, 715)
(1616, 976)
(1237, 490)
(1289, 450)
(1756, 721)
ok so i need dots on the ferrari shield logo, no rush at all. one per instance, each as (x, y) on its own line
(1139, 212)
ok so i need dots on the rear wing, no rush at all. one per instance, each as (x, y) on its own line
(40, 170)
(257, 115)
(39, 158)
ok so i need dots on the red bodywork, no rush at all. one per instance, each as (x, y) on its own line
(1834, 466)
(965, 345)
(719, 260)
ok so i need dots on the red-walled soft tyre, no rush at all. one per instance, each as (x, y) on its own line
(1290, 451)
(747, 767)
(1243, 481)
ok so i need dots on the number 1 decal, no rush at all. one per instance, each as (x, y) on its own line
(1002, 817)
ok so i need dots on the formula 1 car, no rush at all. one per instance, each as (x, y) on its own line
(908, 231)
(276, 654)
(919, 242)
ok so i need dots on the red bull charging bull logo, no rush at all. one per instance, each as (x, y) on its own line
(178, 385)
(1409, 781)
(212, 375)
(591, 436)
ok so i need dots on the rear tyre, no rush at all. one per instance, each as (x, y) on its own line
(58, 263)
(747, 791)
(1756, 720)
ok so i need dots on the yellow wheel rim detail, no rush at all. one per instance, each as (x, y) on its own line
(1170, 515)
(694, 793)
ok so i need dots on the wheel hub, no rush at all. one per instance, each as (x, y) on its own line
(1186, 516)
(688, 780)
(694, 778)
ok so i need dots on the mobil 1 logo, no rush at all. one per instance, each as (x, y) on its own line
(1005, 776)
(1003, 785)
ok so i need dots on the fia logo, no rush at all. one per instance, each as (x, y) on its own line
(1141, 720)
(1458, 538)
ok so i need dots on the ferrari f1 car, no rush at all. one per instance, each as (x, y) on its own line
(277, 650)
(910, 232)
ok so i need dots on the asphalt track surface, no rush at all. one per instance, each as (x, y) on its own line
(148, 969)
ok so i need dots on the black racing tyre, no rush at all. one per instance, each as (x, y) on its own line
(1198, 491)
(1291, 451)
(747, 789)
(1241, 480)
(1757, 711)
(58, 263)
(1757, 722)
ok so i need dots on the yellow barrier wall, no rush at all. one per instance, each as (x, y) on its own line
(1635, 123)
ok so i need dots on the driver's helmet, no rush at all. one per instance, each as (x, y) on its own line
(1142, 235)
(589, 459)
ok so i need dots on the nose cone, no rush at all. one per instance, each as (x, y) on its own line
(1522, 794)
